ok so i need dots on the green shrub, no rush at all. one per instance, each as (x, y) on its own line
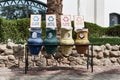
(0, 28)
(113, 31)
(22, 27)
(95, 30)
(101, 41)
(17, 30)
(8, 30)
(73, 32)
(43, 26)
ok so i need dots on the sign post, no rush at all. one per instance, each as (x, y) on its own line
(78, 22)
(35, 21)
(66, 21)
(51, 21)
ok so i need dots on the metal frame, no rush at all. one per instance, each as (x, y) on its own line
(32, 3)
(89, 58)
(35, 4)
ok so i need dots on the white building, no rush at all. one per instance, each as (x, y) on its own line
(102, 12)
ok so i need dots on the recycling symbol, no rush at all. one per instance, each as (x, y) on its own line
(50, 35)
(66, 19)
(35, 18)
(82, 35)
(50, 18)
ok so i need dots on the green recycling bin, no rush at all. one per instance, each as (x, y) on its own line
(50, 41)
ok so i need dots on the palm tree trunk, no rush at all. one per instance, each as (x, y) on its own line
(55, 7)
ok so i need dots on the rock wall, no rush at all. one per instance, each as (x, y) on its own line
(12, 55)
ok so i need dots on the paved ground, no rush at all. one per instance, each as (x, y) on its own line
(61, 73)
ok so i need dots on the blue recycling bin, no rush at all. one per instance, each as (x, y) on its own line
(35, 41)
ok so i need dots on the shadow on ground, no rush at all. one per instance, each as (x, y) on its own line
(42, 70)
(112, 74)
(67, 73)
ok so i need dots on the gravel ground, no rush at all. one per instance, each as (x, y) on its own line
(62, 73)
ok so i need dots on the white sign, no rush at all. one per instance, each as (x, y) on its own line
(78, 22)
(51, 21)
(35, 20)
(66, 21)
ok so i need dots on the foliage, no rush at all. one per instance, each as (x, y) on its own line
(16, 12)
(22, 27)
(17, 30)
(113, 31)
(73, 32)
(101, 35)
(43, 26)
(101, 41)
(95, 30)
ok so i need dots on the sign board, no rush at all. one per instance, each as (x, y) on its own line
(66, 21)
(51, 21)
(35, 21)
(78, 22)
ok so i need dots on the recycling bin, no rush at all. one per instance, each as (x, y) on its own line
(66, 41)
(50, 42)
(35, 41)
(82, 41)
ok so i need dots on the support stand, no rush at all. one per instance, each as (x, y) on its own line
(89, 57)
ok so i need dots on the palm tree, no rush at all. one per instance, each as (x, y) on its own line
(55, 7)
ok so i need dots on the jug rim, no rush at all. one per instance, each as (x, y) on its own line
(67, 28)
(84, 29)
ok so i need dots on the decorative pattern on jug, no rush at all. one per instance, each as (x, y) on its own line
(35, 41)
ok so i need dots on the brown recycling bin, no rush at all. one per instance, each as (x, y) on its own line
(82, 41)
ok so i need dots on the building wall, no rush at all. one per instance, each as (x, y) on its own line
(70, 7)
(90, 11)
(111, 7)
(95, 11)
(98, 11)
(87, 10)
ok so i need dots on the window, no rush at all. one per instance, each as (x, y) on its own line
(114, 19)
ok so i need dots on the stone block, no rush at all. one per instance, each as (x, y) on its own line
(100, 55)
(108, 46)
(114, 54)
